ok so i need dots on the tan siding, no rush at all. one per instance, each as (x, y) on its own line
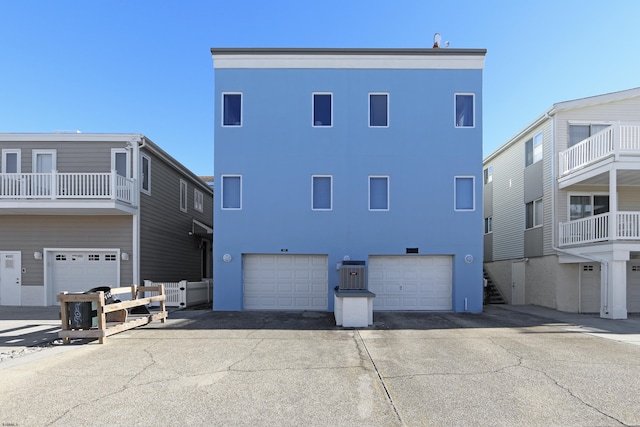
(168, 252)
(547, 186)
(31, 234)
(629, 198)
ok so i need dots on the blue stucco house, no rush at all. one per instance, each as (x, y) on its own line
(326, 155)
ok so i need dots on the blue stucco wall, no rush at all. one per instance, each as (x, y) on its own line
(277, 150)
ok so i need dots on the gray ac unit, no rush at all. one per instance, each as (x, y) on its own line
(353, 275)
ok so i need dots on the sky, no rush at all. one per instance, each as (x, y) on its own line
(145, 66)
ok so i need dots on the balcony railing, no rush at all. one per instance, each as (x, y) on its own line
(56, 185)
(615, 140)
(596, 229)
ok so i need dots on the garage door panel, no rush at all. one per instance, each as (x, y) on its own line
(633, 287)
(411, 282)
(79, 271)
(285, 282)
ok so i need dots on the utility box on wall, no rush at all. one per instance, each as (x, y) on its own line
(353, 275)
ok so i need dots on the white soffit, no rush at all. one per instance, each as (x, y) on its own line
(448, 62)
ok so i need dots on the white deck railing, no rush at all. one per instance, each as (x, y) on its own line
(596, 229)
(617, 139)
(58, 185)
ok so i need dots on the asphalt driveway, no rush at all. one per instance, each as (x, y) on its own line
(499, 368)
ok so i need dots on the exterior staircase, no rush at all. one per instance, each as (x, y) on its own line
(492, 294)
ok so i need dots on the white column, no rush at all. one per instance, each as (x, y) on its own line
(614, 291)
(613, 205)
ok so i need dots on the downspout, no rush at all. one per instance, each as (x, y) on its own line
(137, 143)
(604, 275)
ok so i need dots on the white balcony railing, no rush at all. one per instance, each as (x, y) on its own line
(58, 185)
(617, 139)
(596, 229)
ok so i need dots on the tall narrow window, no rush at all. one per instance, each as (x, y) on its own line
(145, 171)
(464, 114)
(120, 162)
(533, 150)
(378, 110)
(10, 161)
(231, 192)
(464, 193)
(488, 175)
(533, 214)
(183, 196)
(488, 225)
(232, 109)
(321, 192)
(198, 200)
(322, 110)
(378, 193)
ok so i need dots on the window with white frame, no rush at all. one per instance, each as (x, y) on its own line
(120, 162)
(183, 195)
(145, 172)
(488, 175)
(321, 192)
(322, 109)
(198, 200)
(232, 109)
(488, 225)
(533, 214)
(464, 110)
(378, 193)
(231, 192)
(580, 131)
(379, 110)
(11, 161)
(464, 193)
(533, 150)
(585, 205)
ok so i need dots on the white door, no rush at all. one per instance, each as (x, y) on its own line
(44, 162)
(517, 283)
(79, 271)
(285, 282)
(410, 282)
(10, 278)
(633, 286)
(590, 288)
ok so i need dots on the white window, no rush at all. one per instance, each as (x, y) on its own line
(533, 150)
(198, 200)
(145, 174)
(232, 192)
(110, 257)
(533, 214)
(94, 257)
(379, 110)
(120, 162)
(580, 132)
(464, 110)
(378, 193)
(321, 192)
(322, 109)
(183, 195)
(232, 109)
(10, 161)
(488, 225)
(488, 175)
(585, 205)
(464, 193)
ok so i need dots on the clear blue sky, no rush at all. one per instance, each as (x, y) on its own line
(144, 66)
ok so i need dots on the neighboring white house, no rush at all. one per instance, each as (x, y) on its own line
(562, 208)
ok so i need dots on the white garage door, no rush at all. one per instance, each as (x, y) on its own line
(285, 282)
(633, 287)
(590, 288)
(79, 271)
(411, 282)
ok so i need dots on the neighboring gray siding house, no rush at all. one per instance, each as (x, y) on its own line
(562, 208)
(79, 211)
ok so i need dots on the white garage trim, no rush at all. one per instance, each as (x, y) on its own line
(51, 288)
(411, 282)
(285, 282)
